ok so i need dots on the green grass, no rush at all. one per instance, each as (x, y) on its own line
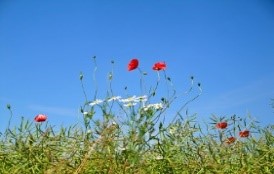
(34, 148)
(131, 135)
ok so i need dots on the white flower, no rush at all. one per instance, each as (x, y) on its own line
(129, 100)
(156, 106)
(159, 157)
(120, 149)
(130, 104)
(95, 102)
(142, 98)
(114, 98)
(85, 113)
(134, 99)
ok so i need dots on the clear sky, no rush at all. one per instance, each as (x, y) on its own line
(228, 46)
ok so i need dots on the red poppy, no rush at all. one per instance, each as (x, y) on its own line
(159, 66)
(221, 125)
(244, 133)
(40, 118)
(230, 140)
(133, 64)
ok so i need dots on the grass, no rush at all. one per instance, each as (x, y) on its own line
(132, 136)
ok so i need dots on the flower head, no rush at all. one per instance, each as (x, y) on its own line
(114, 98)
(40, 118)
(130, 104)
(95, 102)
(142, 98)
(159, 157)
(156, 106)
(244, 133)
(129, 100)
(133, 64)
(221, 125)
(133, 100)
(230, 140)
(159, 66)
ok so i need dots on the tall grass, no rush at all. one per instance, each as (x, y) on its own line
(132, 135)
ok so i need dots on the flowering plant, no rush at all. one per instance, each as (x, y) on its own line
(141, 133)
(138, 117)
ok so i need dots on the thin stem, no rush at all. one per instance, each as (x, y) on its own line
(141, 81)
(94, 77)
(83, 88)
(167, 86)
(187, 103)
(156, 86)
(110, 77)
(11, 115)
(194, 98)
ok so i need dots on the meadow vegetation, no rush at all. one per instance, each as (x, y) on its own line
(131, 134)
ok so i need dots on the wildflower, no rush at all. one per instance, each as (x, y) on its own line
(221, 125)
(133, 64)
(40, 118)
(159, 157)
(95, 102)
(142, 98)
(130, 104)
(159, 66)
(156, 106)
(244, 133)
(128, 100)
(230, 140)
(114, 98)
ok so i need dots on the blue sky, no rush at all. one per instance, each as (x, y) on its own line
(225, 45)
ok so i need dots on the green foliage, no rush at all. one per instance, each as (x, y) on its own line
(132, 136)
(181, 147)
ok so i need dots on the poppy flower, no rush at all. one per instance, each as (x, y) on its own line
(230, 140)
(159, 66)
(221, 125)
(40, 118)
(133, 64)
(244, 133)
